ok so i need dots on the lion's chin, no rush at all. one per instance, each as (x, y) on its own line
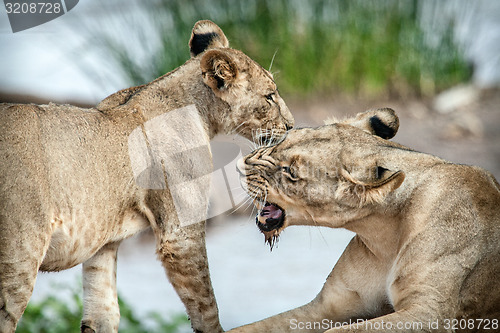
(270, 221)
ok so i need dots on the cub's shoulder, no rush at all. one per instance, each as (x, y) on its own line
(118, 98)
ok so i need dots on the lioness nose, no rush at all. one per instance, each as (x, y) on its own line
(289, 126)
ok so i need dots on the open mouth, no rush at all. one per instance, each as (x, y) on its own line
(270, 217)
(269, 220)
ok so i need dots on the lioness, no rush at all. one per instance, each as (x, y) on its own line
(426, 255)
(68, 194)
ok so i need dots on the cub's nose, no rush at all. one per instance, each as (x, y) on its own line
(240, 166)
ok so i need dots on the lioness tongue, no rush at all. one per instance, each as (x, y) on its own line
(271, 212)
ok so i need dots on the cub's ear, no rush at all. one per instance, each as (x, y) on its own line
(219, 70)
(381, 122)
(371, 186)
(206, 35)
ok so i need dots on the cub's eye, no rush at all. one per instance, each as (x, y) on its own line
(286, 169)
(270, 97)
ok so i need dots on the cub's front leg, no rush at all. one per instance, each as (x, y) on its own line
(183, 255)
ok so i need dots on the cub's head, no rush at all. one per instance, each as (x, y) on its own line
(255, 108)
(324, 176)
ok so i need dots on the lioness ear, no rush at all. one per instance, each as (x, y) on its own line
(381, 122)
(357, 192)
(206, 35)
(218, 69)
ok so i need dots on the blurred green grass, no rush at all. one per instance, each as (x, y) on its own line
(358, 47)
(53, 315)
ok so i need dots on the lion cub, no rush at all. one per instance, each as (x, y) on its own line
(426, 255)
(75, 182)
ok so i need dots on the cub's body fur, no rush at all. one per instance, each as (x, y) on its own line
(427, 244)
(68, 194)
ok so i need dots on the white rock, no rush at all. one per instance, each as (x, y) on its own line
(456, 98)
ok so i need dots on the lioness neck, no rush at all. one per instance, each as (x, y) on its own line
(380, 234)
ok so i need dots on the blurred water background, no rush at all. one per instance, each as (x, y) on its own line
(329, 57)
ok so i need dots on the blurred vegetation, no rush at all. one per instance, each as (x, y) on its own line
(361, 47)
(53, 315)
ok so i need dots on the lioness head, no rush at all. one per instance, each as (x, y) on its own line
(256, 110)
(321, 176)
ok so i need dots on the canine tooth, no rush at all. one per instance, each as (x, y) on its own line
(259, 205)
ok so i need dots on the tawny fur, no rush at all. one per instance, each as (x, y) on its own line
(68, 194)
(427, 244)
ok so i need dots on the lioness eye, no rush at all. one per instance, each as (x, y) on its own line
(289, 174)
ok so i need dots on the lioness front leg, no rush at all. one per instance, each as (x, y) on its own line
(100, 301)
(416, 319)
(401, 321)
(297, 320)
(425, 290)
(183, 254)
(344, 297)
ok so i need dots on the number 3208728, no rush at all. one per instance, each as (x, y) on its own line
(483, 324)
(33, 8)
